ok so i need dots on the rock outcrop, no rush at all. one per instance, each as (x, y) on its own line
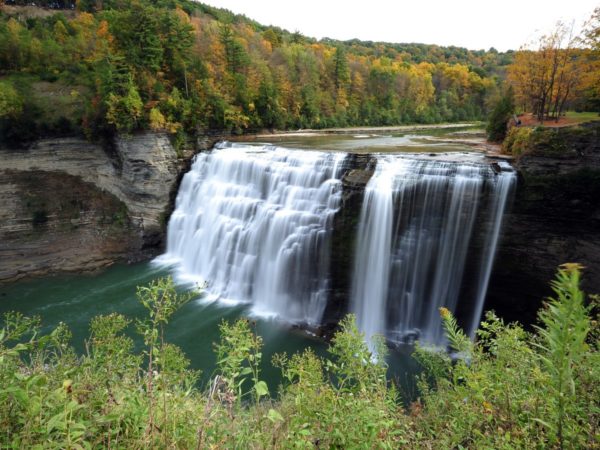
(70, 205)
(356, 172)
(555, 218)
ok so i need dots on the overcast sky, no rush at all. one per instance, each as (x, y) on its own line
(475, 24)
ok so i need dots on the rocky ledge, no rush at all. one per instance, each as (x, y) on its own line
(70, 205)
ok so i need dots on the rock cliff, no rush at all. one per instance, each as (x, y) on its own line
(70, 205)
(555, 218)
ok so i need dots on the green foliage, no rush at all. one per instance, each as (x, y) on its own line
(238, 359)
(232, 74)
(562, 344)
(11, 104)
(124, 111)
(497, 126)
(517, 390)
(510, 389)
(517, 141)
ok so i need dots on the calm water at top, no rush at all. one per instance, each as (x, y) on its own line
(373, 140)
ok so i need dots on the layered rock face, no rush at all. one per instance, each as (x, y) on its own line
(357, 171)
(555, 218)
(70, 205)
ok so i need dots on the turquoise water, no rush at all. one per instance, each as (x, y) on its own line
(76, 299)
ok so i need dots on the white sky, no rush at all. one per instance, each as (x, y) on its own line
(474, 24)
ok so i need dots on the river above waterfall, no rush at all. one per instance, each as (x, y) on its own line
(462, 138)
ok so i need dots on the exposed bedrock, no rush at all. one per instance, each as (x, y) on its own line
(555, 218)
(70, 205)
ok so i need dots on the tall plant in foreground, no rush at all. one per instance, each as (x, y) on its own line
(562, 344)
(238, 359)
(511, 389)
(161, 300)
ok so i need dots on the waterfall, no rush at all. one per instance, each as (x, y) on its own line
(418, 223)
(255, 222)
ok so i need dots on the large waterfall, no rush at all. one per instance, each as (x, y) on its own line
(418, 226)
(254, 222)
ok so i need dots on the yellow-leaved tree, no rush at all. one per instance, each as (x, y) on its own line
(547, 73)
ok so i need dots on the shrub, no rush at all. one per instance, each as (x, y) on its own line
(518, 141)
(509, 389)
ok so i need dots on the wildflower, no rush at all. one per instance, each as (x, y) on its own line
(571, 267)
(444, 312)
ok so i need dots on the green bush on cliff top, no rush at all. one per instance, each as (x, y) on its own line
(509, 389)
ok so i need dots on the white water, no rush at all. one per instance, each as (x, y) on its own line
(417, 224)
(255, 223)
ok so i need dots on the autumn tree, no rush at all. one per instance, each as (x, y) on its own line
(590, 73)
(545, 74)
(591, 33)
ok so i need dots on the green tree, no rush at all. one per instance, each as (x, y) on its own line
(498, 121)
(137, 33)
(11, 104)
(124, 112)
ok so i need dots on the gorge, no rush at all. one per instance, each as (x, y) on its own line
(308, 193)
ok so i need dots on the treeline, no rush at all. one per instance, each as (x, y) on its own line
(508, 389)
(187, 68)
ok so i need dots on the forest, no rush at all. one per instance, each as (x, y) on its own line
(120, 66)
(106, 70)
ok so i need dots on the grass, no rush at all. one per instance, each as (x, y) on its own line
(580, 117)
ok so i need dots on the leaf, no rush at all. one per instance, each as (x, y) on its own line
(56, 422)
(261, 388)
(274, 416)
(543, 423)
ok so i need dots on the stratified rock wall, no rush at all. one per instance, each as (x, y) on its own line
(555, 218)
(69, 205)
(356, 172)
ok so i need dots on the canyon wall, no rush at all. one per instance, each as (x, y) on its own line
(70, 205)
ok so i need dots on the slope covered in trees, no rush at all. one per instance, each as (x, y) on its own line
(118, 66)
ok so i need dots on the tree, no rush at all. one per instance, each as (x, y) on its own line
(545, 77)
(124, 111)
(498, 123)
(10, 102)
(137, 35)
(591, 33)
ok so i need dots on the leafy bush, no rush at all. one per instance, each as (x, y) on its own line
(497, 126)
(509, 389)
(517, 141)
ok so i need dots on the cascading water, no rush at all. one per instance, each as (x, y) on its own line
(255, 223)
(417, 224)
